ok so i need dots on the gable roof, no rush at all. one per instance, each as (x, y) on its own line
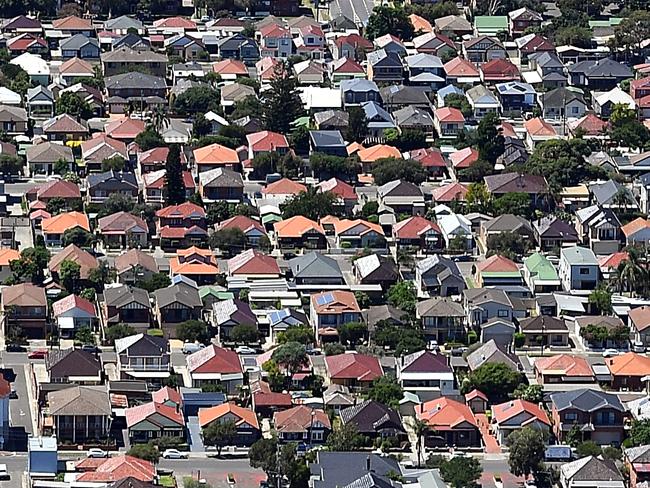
(371, 416)
(414, 227)
(424, 362)
(84, 259)
(316, 265)
(629, 364)
(284, 186)
(63, 363)
(508, 410)
(80, 400)
(24, 295)
(252, 261)
(133, 258)
(565, 365)
(244, 415)
(590, 470)
(445, 414)
(299, 419)
(71, 302)
(296, 227)
(148, 411)
(353, 366)
(586, 400)
(115, 468)
(214, 359)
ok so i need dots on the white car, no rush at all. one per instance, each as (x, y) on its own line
(4, 474)
(245, 350)
(174, 454)
(95, 452)
(192, 347)
(608, 353)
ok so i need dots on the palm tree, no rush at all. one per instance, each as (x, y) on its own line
(420, 428)
(159, 119)
(631, 272)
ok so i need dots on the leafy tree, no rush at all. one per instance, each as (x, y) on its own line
(115, 163)
(574, 436)
(344, 438)
(197, 99)
(116, 202)
(201, 126)
(496, 380)
(391, 169)
(311, 204)
(512, 203)
(434, 11)
(301, 334)
(156, 282)
(362, 298)
(193, 331)
(574, 36)
(626, 129)
(219, 434)
(333, 349)
(588, 448)
(487, 138)
(89, 294)
(386, 391)
(232, 241)
(402, 295)
(527, 447)
(62, 167)
(401, 339)
(85, 336)
(249, 106)
(476, 172)
(79, 237)
(10, 165)
(456, 100)
(244, 334)
(72, 104)
(530, 393)
(387, 20)
(461, 472)
(508, 244)
(174, 186)
(118, 331)
(357, 128)
(149, 139)
(300, 139)
(478, 198)
(281, 102)
(287, 164)
(148, 452)
(31, 264)
(263, 455)
(291, 355)
(325, 166)
(640, 432)
(56, 205)
(601, 301)
(70, 274)
(352, 332)
(632, 31)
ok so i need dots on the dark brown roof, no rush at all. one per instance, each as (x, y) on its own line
(516, 183)
(71, 362)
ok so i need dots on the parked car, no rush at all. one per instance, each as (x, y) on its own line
(4, 474)
(15, 348)
(174, 454)
(96, 452)
(608, 353)
(37, 354)
(13, 395)
(245, 350)
(91, 349)
(192, 347)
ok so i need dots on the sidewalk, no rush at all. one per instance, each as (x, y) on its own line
(489, 441)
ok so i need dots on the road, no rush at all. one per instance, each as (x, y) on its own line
(356, 10)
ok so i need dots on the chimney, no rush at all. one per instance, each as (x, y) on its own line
(177, 408)
(368, 463)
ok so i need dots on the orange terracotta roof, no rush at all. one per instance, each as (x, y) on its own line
(175, 23)
(84, 259)
(266, 141)
(230, 67)
(445, 414)
(613, 260)
(299, 419)
(336, 301)
(76, 66)
(506, 411)
(340, 188)
(449, 114)
(539, 127)
(125, 128)
(344, 225)
(635, 226)
(497, 264)
(243, 415)
(640, 317)
(184, 210)
(353, 366)
(379, 151)
(60, 223)
(296, 227)
(564, 364)
(72, 22)
(420, 24)
(194, 261)
(117, 468)
(629, 364)
(215, 154)
(285, 186)
(354, 147)
(460, 67)
(8, 255)
(464, 158)
(450, 192)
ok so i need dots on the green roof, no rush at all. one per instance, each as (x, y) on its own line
(271, 218)
(500, 274)
(215, 291)
(541, 267)
(301, 122)
(605, 23)
(493, 23)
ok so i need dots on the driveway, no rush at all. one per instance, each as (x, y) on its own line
(489, 441)
(196, 442)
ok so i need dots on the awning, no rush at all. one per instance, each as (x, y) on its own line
(148, 374)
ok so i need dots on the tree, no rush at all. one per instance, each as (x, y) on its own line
(201, 126)
(149, 139)
(287, 164)
(496, 380)
(197, 100)
(156, 282)
(527, 448)
(79, 237)
(574, 36)
(387, 20)
(488, 138)
(386, 391)
(508, 244)
(476, 171)
(301, 334)
(115, 163)
(174, 186)
(402, 295)
(420, 429)
(31, 264)
(69, 275)
(632, 31)
(193, 331)
(85, 336)
(249, 106)
(263, 454)
(219, 434)
(10, 165)
(118, 331)
(391, 169)
(281, 102)
(640, 432)
(291, 355)
(244, 334)
(601, 301)
(459, 101)
(333, 349)
(530, 393)
(431, 12)
(72, 104)
(512, 203)
(148, 452)
(231, 240)
(363, 300)
(478, 198)
(352, 333)
(357, 128)
(461, 472)
(311, 204)
(325, 166)
(588, 448)
(344, 438)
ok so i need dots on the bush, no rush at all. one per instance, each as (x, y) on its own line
(333, 349)
(520, 340)
(346, 245)
(472, 337)
(155, 332)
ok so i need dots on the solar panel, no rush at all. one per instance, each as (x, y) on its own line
(328, 298)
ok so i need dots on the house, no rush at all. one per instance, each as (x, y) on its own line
(450, 423)
(135, 265)
(6, 257)
(283, 189)
(124, 129)
(302, 424)
(549, 68)
(498, 330)
(636, 232)
(72, 313)
(591, 471)
(376, 270)
(540, 275)
(149, 91)
(102, 185)
(498, 70)
(182, 225)
(516, 414)
(276, 41)
(40, 102)
(461, 71)
(178, 302)
(521, 19)
(562, 102)
(126, 59)
(426, 374)
(499, 185)
(464, 158)
(80, 46)
(482, 304)
(516, 96)
(116, 470)
(601, 332)
(449, 122)
(246, 424)
(601, 74)
(604, 102)
(504, 223)
(418, 233)
(482, 49)
(351, 46)
(402, 197)
(438, 276)
(329, 310)
(216, 156)
(200, 265)
(27, 44)
(492, 353)
(142, 356)
(327, 142)
(238, 47)
(498, 271)
(359, 234)
(533, 44)
(252, 229)
(65, 128)
(221, 184)
(100, 147)
(43, 158)
(578, 269)
(80, 413)
(482, 101)
(590, 126)
(353, 370)
(253, 265)
(334, 469)
(414, 118)
(629, 371)
(453, 26)
(384, 66)
(551, 233)
(379, 120)
(442, 319)
(127, 304)
(599, 228)
(639, 318)
(73, 366)
(154, 420)
(154, 186)
(544, 330)
(358, 91)
(13, 120)
(563, 368)
(299, 233)
(456, 227)
(54, 228)
(228, 314)
(265, 142)
(86, 261)
(215, 366)
(635, 460)
(346, 195)
(602, 411)
(436, 44)
(123, 230)
(374, 420)
(316, 269)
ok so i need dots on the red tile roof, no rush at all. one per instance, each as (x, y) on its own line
(353, 366)
(497, 264)
(182, 211)
(414, 227)
(254, 262)
(117, 468)
(70, 302)
(284, 186)
(464, 158)
(214, 359)
(340, 188)
(230, 67)
(175, 23)
(508, 410)
(296, 227)
(459, 67)
(243, 415)
(430, 157)
(499, 69)
(450, 193)
(125, 128)
(538, 127)
(300, 419)
(241, 222)
(58, 189)
(450, 115)
(354, 40)
(445, 414)
(564, 364)
(266, 141)
(148, 411)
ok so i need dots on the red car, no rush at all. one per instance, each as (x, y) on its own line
(38, 354)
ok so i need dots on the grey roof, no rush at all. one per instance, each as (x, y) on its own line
(412, 116)
(358, 85)
(37, 90)
(119, 296)
(423, 60)
(577, 255)
(453, 22)
(10, 113)
(381, 56)
(552, 227)
(179, 293)
(315, 265)
(595, 215)
(48, 152)
(602, 68)
(337, 118)
(123, 22)
(586, 400)
(337, 469)
(606, 192)
(134, 80)
(378, 313)
(127, 55)
(482, 295)
(221, 177)
(374, 110)
(236, 91)
(440, 262)
(367, 265)
(479, 91)
(508, 223)
(640, 454)
(440, 307)
(547, 59)
(77, 42)
(80, 400)
(543, 323)
(370, 416)
(490, 352)
(127, 178)
(403, 94)
(326, 138)
(399, 188)
(591, 469)
(372, 480)
(131, 40)
(561, 96)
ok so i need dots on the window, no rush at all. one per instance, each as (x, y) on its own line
(584, 271)
(570, 417)
(503, 313)
(317, 435)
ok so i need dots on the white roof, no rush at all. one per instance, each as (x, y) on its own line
(454, 224)
(216, 118)
(9, 97)
(615, 95)
(32, 64)
(317, 97)
(126, 342)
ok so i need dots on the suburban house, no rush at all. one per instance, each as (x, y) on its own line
(629, 371)
(329, 310)
(127, 304)
(517, 414)
(374, 420)
(246, 424)
(441, 318)
(80, 413)
(72, 313)
(426, 374)
(639, 319)
(142, 356)
(177, 303)
(73, 366)
(578, 269)
(482, 304)
(353, 370)
(563, 368)
(438, 276)
(544, 330)
(216, 366)
(154, 420)
(24, 307)
(299, 232)
(591, 471)
(302, 424)
(450, 423)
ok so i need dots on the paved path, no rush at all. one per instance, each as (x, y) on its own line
(489, 441)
